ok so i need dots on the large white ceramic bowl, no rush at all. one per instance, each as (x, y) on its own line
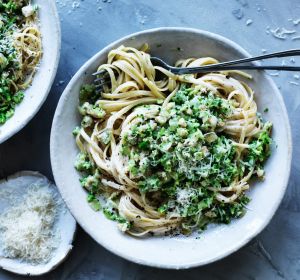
(36, 94)
(217, 241)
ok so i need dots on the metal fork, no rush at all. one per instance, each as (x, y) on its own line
(102, 77)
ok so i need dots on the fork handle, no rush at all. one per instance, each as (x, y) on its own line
(215, 67)
(294, 52)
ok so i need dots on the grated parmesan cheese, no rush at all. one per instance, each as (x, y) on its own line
(281, 32)
(183, 196)
(294, 83)
(28, 11)
(27, 226)
(274, 74)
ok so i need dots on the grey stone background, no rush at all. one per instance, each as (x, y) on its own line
(88, 27)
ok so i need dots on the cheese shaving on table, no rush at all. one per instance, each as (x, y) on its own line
(274, 74)
(296, 38)
(27, 226)
(249, 21)
(294, 21)
(281, 33)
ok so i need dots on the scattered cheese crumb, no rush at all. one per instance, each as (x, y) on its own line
(140, 17)
(183, 196)
(75, 5)
(249, 21)
(281, 32)
(296, 21)
(274, 74)
(28, 11)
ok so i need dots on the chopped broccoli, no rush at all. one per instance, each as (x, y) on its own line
(76, 131)
(93, 202)
(112, 214)
(260, 148)
(87, 121)
(91, 110)
(3, 61)
(104, 137)
(91, 182)
(88, 94)
(83, 163)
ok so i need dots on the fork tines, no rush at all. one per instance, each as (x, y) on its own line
(102, 78)
(100, 72)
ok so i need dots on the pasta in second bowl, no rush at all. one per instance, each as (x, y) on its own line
(155, 163)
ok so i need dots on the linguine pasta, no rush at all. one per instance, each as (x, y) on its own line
(163, 153)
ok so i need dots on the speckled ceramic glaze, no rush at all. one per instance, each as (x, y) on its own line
(36, 94)
(217, 241)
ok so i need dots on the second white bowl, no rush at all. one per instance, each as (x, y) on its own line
(37, 93)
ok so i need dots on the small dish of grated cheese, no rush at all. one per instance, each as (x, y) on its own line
(36, 229)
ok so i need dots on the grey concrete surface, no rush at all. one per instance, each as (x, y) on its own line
(275, 253)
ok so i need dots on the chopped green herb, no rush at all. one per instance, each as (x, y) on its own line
(76, 131)
(93, 202)
(83, 163)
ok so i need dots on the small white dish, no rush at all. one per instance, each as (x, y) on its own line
(37, 93)
(217, 241)
(15, 185)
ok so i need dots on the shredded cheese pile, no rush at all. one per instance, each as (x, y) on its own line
(27, 228)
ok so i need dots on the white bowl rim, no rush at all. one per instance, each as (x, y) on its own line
(25, 121)
(239, 244)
